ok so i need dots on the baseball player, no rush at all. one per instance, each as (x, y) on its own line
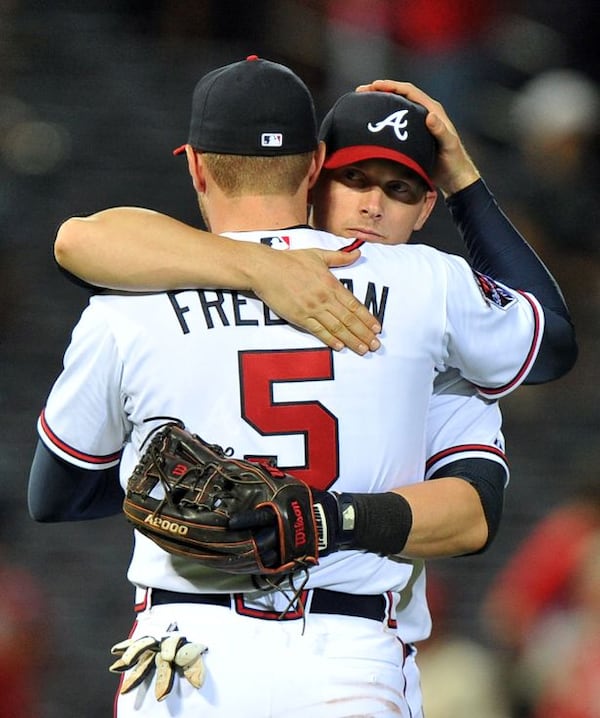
(118, 375)
(461, 427)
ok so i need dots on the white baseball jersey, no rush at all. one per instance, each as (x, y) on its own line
(238, 375)
(461, 424)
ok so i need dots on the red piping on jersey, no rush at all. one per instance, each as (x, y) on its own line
(89, 458)
(355, 245)
(486, 391)
(487, 448)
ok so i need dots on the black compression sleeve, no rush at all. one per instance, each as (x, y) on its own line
(497, 249)
(488, 479)
(59, 491)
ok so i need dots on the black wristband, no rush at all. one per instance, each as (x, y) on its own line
(382, 522)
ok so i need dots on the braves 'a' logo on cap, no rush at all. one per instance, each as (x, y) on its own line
(397, 120)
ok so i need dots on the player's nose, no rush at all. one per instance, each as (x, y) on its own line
(371, 203)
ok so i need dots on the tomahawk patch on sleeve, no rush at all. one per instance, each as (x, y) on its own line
(493, 292)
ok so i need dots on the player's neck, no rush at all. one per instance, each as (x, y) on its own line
(258, 212)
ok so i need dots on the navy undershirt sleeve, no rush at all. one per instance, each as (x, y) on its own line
(59, 491)
(497, 249)
(488, 479)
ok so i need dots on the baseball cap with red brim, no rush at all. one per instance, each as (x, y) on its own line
(379, 125)
(253, 107)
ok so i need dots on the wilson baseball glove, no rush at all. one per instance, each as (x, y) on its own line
(203, 486)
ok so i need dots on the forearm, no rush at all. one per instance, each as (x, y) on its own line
(134, 249)
(448, 519)
(435, 519)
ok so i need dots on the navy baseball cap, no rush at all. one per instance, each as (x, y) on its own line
(254, 107)
(379, 125)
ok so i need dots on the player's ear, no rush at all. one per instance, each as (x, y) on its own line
(316, 165)
(427, 209)
(196, 169)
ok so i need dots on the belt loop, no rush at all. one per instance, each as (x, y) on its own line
(145, 600)
(392, 603)
(306, 600)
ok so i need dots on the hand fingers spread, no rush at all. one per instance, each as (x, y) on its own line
(406, 89)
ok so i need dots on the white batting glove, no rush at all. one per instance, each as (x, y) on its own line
(170, 656)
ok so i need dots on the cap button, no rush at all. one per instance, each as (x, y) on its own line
(252, 57)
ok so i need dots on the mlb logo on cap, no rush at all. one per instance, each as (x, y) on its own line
(271, 139)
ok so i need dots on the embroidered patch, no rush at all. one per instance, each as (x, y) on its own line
(397, 120)
(271, 139)
(278, 242)
(494, 293)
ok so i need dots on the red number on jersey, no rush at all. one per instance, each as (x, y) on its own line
(259, 371)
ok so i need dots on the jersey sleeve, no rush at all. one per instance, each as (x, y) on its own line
(461, 424)
(493, 332)
(83, 421)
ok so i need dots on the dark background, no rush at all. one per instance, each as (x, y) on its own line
(94, 96)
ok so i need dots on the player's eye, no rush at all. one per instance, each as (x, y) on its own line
(406, 192)
(352, 177)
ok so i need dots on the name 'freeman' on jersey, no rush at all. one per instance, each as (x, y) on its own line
(228, 308)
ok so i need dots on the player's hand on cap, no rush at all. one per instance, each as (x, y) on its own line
(454, 169)
(299, 287)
